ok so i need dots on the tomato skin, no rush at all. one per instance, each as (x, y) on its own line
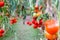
(50, 37)
(33, 21)
(35, 27)
(52, 30)
(51, 27)
(1, 31)
(12, 21)
(40, 21)
(1, 35)
(29, 23)
(36, 23)
(1, 4)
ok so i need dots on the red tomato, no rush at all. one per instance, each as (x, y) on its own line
(29, 23)
(40, 21)
(12, 21)
(36, 23)
(39, 25)
(35, 26)
(1, 35)
(1, 4)
(51, 26)
(1, 31)
(33, 21)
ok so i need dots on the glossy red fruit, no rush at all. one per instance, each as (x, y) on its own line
(1, 35)
(39, 25)
(40, 21)
(27, 22)
(52, 26)
(33, 21)
(1, 31)
(30, 23)
(12, 21)
(36, 23)
(1, 4)
(35, 26)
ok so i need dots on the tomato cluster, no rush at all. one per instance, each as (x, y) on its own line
(35, 23)
(36, 14)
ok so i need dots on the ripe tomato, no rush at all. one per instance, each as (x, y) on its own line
(51, 26)
(33, 21)
(1, 4)
(40, 21)
(39, 26)
(35, 26)
(36, 23)
(1, 31)
(48, 36)
(55, 36)
(12, 21)
(29, 23)
(1, 35)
